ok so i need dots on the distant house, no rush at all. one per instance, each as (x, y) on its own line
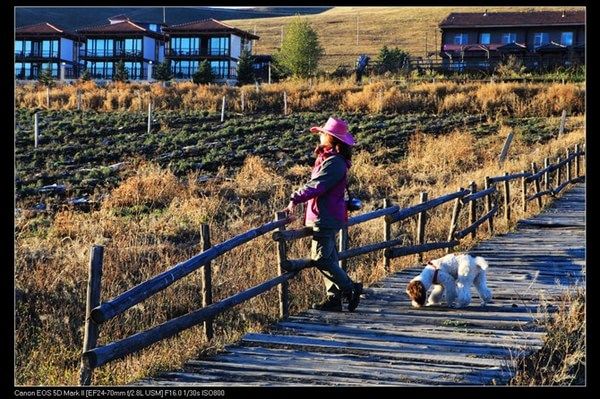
(540, 39)
(193, 42)
(45, 45)
(138, 44)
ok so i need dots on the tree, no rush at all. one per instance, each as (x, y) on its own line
(85, 75)
(245, 70)
(46, 78)
(204, 74)
(121, 72)
(300, 51)
(391, 60)
(163, 72)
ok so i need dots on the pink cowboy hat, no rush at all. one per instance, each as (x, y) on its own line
(337, 128)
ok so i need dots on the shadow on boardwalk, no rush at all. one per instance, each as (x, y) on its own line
(387, 342)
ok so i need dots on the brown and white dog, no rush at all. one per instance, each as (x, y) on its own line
(453, 274)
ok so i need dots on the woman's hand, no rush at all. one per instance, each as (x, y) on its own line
(289, 210)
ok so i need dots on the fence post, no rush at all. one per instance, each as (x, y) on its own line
(536, 184)
(568, 166)
(206, 281)
(387, 235)
(563, 118)
(343, 245)
(524, 192)
(90, 337)
(284, 305)
(454, 220)
(546, 174)
(473, 209)
(506, 198)
(223, 110)
(242, 95)
(36, 129)
(421, 221)
(558, 171)
(78, 100)
(149, 116)
(576, 160)
(488, 205)
(284, 103)
(505, 147)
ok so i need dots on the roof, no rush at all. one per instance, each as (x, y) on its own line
(208, 26)
(120, 28)
(500, 19)
(45, 29)
(551, 47)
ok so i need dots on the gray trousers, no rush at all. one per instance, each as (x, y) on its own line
(325, 258)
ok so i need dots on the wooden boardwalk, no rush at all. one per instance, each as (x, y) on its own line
(387, 342)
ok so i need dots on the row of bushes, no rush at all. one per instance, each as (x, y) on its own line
(518, 99)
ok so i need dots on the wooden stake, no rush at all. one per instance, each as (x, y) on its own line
(149, 116)
(524, 192)
(473, 209)
(488, 206)
(506, 198)
(206, 280)
(283, 289)
(454, 220)
(90, 337)
(421, 221)
(36, 124)
(563, 119)
(387, 235)
(223, 110)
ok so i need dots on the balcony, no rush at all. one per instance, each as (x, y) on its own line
(187, 52)
(36, 54)
(110, 53)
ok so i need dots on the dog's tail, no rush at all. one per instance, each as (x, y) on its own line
(482, 263)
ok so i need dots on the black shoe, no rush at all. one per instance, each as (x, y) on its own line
(354, 296)
(332, 303)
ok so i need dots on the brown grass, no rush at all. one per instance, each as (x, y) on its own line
(152, 222)
(382, 95)
(562, 358)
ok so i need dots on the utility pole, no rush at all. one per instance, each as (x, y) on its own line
(164, 15)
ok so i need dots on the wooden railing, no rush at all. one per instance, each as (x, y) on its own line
(97, 313)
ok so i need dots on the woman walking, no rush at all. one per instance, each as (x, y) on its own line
(326, 211)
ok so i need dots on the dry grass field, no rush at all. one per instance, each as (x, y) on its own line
(413, 29)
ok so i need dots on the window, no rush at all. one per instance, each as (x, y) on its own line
(153, 27)
(220, 68)
(566, 38)
(100, 47)
(218, 46)
(134, 69)
(50, 48)
(133, 47)
(509, 37)
(100, 70)
(23, 48)
(183, 69)
(540, 38)
(53, 66)
(461, 38)
(484, 38)
(185, 46)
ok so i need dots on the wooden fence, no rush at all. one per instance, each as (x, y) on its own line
(96, 313)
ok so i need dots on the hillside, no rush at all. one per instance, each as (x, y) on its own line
(78, 17)
(410, 28)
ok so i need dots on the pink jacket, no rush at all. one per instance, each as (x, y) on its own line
(326, 205)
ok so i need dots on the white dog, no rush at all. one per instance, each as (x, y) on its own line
(454, 274)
